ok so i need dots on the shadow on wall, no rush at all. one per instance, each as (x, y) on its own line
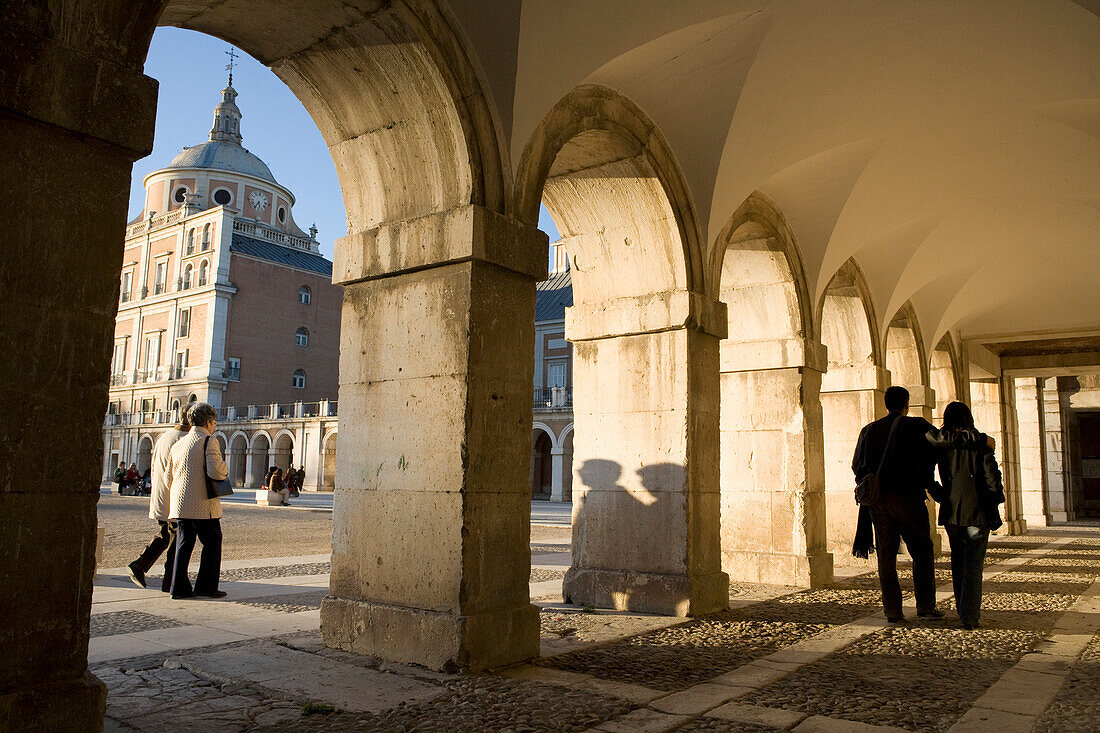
(630, 539)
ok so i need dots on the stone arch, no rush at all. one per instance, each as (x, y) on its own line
(328, 466)
(772, 486)
(944, 375)
(851, 393)
(259, 458)
(237, 457)
(540, 426)
(542, 446)
(282, 449)
(904, 350)
(144, 453)
(223, 441)
(606, 174)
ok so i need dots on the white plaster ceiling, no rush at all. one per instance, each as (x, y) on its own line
(952, 149)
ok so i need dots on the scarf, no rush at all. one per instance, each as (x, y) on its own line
(864, 543)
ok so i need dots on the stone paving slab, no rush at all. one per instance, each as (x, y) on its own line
(644, 721)
(757, 715)
(821, 724)
(307, 676)
(698, 699)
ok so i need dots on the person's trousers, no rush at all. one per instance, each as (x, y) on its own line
(209, 533)
(968, 546)
(899, 518)
(165, 539)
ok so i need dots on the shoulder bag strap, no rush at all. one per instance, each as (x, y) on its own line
(886, 448)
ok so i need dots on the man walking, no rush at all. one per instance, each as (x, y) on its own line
(900, 512)
(158, 508)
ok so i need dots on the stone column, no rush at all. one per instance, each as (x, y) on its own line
(846, 406)
(922, 403)
(990, 413)
(646, 494)
(1029, 419)
(556, 474)
(1054, 434)
(72, 121)
(772, 468)
(431, 528)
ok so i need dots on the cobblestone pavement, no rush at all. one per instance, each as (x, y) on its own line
(541, 575)
(128, 622)
(778, 657)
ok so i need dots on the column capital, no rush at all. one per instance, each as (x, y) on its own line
(855, 379)
(921, 396)
(101, 98)
(651, 313)
(462, 234)
(744, 356)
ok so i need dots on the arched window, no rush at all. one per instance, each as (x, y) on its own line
(206, 238)
(192, 398)
(304, 295)
(204, 271)
(187, 271)
(191, 242)
(302, 337)
(299, 379)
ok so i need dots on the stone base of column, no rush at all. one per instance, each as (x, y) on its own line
(1037, 520)
(69, 705)
(807, 571)
(665, 594)
(1057, 517)
(1016, 527)
(431, 638)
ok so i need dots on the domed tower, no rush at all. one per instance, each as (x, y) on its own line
(223, 298)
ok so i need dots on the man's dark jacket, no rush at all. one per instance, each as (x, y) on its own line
(914, 450)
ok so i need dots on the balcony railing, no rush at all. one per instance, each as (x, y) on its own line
(257, 229)
(553, 398)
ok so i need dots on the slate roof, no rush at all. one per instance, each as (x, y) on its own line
(260, 249)
(222, 156)
(553, 296)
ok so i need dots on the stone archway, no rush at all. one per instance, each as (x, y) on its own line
(282, 451)
(328, 476)
(943, 374)
(645, 339)
(851, 394)
(144, 454)
(259, 459)
(237, 458)
(773, 484)
(541, 446)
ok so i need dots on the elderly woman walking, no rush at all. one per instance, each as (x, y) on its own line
(192, 459)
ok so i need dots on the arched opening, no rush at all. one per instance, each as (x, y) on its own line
(906, 362)
(328, 477)
(204, 271)
(944, 377)
(305, 296)
(237, 459)
(188, 273)
(541, 467)
(851, 396)
(283, 454)
(645, 507)
(144, 454)
(772, 475)
(259, 460)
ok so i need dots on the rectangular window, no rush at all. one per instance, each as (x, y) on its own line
(161, 281)
(233, 369)
(556, 374)
(118, 360)
(181, 363)
(148, 404)
(152, 356)
(127, 280)
(185, 323)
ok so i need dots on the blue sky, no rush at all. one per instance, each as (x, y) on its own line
(275, 126)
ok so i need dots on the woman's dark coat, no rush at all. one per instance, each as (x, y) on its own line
(972, 488)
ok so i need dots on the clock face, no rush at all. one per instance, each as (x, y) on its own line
(258, 199)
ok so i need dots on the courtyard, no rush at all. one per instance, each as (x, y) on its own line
(780, 658)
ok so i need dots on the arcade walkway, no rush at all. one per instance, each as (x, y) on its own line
(779, 659)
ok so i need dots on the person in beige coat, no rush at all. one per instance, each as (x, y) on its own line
(158, 508)
(191, 459)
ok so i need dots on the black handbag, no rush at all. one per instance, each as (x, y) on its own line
(215, 488)
(867, 488)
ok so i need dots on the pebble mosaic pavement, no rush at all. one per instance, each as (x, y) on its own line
(923, 676)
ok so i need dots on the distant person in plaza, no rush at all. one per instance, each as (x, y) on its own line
(132, 478)
(159, 498)
(971, 492)
(301, 478)
(276, 486)
(908, 448)
(120, 477)
(191, 460)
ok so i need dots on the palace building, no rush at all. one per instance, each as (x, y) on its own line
(223, 299)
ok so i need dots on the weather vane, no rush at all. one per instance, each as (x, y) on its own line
(232, 54)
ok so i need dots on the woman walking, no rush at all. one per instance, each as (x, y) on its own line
(192, 458)
(972, 490)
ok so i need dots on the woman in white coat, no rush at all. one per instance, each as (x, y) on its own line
(192, 458)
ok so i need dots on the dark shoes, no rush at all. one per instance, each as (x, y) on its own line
(933, 614)
(182, 596)
(137, 576)
(969, 626)
(213, 594)
(896, 620)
